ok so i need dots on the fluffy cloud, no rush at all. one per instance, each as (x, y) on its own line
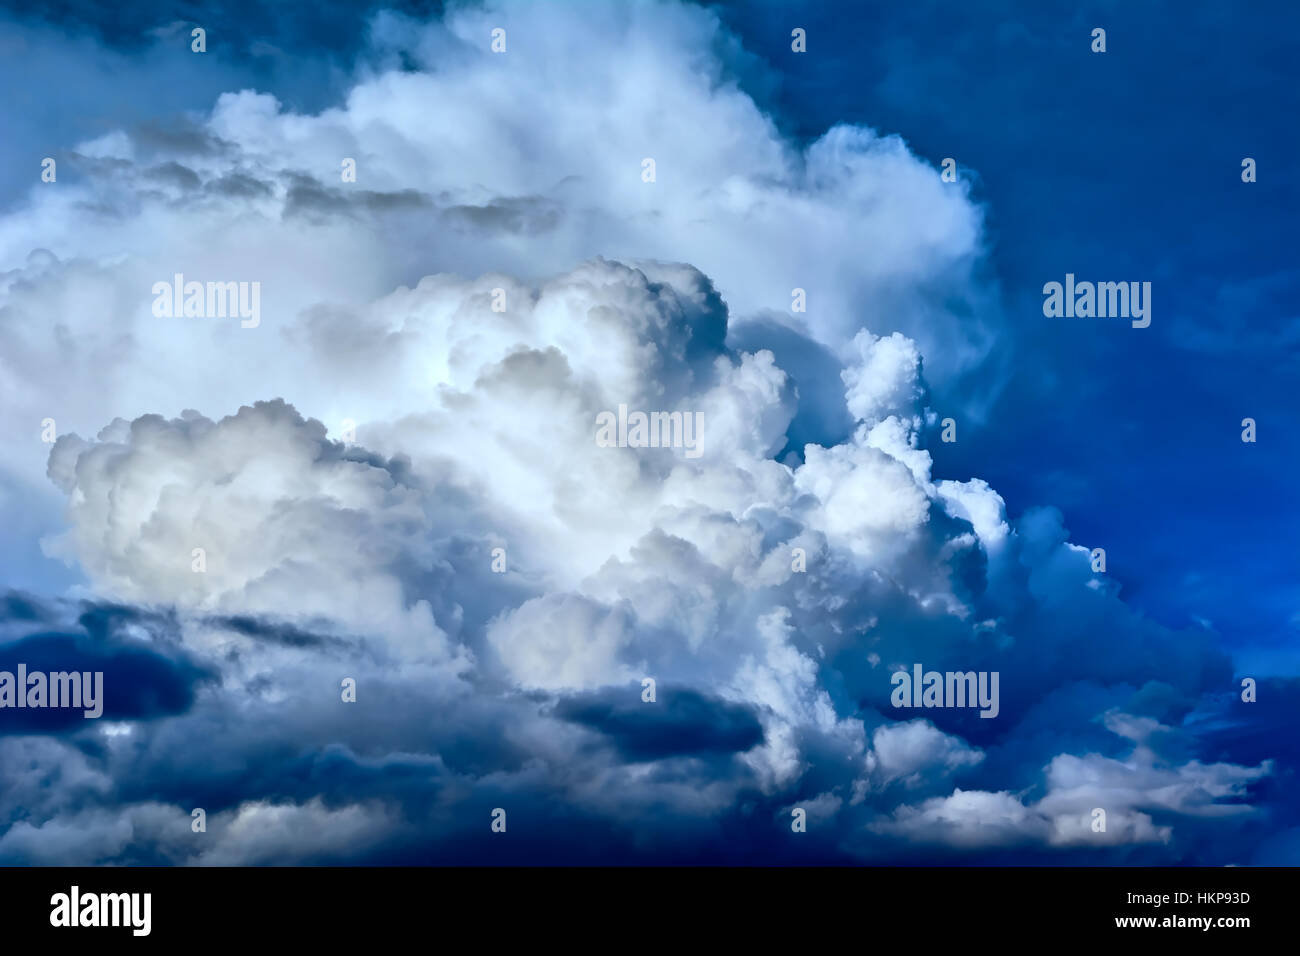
(471, 305)
(620, 563)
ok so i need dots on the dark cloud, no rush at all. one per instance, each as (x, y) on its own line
(138, 682)
(172, 173)
(521, 215)
(179, 136)
(106, 621)
(239, 186)
(146, 674)
(15, 606)
(307, 197)
(288, 635)
(680, 722)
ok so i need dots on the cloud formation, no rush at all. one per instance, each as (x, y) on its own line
(437, 342)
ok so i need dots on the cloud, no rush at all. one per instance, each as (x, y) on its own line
(688, 723)
(145, 674)
(915, 751)
(437, 342)
(257, 513)
(653, 563)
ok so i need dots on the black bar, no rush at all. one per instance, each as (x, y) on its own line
(662, 907)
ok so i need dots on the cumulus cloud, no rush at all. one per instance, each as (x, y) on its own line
(915, 751)
(618, 564)
(468, 308)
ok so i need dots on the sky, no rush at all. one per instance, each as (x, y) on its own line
(394, 475)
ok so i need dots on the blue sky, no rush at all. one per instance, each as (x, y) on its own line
(1127, 162)
(1117, 166)
(1084, 163)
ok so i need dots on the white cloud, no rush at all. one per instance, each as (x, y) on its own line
(1129, 791)
(915, 751)
(475, 427)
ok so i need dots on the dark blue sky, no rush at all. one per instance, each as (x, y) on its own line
(1122, 165)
